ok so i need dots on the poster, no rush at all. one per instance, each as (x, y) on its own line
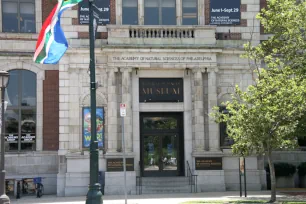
(225, 12)
(101, 9)
(87, 127)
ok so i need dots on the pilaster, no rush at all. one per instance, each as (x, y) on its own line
(140, 12)
(112, 131)
(201, 12)
(198, 111)
(118, 12)
(213, 127)
(127, 99)
(179, 12)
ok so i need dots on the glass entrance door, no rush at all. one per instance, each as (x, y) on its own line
(161, 145)
(160, 155)
(169, 152)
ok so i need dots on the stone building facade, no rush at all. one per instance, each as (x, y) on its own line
(197, 65)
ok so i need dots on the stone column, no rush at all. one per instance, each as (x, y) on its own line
(213, 127)
(198, 111)
(112, 111)
(127, 99)
(140, 12)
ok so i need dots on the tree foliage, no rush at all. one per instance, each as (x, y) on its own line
(286, 20)
(264, 117)
(270, 113)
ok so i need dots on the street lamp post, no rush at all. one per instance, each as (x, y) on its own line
(94, 195)
(4, 199)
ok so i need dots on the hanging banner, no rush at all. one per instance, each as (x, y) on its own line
(87, 127)
(225, 12)
(100, 8)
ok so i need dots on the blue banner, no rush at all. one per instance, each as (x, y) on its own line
(225, 12)
(87, 127)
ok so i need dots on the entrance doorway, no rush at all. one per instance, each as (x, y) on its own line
(162, 144)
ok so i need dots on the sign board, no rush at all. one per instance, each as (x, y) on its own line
(122, 109)
(208, 163)
(117, 164)
(164, 58)
(87, 126)
(161, 90)
(11, 138)
(225, 12)
(28, 137)
(101, 8)
(241, 165)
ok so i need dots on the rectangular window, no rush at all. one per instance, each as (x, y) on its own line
(159, 12)
(190, 12)
(18, 16)
(130, 12)
(225, 140)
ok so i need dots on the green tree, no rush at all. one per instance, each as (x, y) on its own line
(263, 118)
(269, 114)
(286, 20)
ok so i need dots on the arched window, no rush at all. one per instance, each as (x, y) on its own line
(20, 115)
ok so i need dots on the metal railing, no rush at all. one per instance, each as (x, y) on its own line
(139, 181)
(192, 179)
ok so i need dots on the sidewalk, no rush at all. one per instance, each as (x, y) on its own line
(160, 199)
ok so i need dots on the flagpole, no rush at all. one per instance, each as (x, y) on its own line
(94, 195)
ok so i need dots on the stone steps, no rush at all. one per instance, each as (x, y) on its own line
(165, 185)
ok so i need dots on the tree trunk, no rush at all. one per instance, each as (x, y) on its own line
(272, 178)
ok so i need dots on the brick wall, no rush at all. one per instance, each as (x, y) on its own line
(113, 11)
(46, 8)
(51, 110)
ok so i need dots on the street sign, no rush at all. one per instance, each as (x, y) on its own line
(122, 109)
(100, 7)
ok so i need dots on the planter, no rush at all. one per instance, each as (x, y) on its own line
(285, 182)
(302, 181)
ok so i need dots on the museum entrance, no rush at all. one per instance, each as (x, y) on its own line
(162, 144)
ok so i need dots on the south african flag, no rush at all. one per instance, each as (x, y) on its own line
(52, 44)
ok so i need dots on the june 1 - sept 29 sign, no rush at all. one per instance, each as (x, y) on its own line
(225, 12)
(101, 9)
(87, 127)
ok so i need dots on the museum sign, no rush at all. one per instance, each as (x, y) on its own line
(161, 90)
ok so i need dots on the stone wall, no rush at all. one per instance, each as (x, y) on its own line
(31, 165)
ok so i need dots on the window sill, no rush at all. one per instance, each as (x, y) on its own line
(28, 36)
